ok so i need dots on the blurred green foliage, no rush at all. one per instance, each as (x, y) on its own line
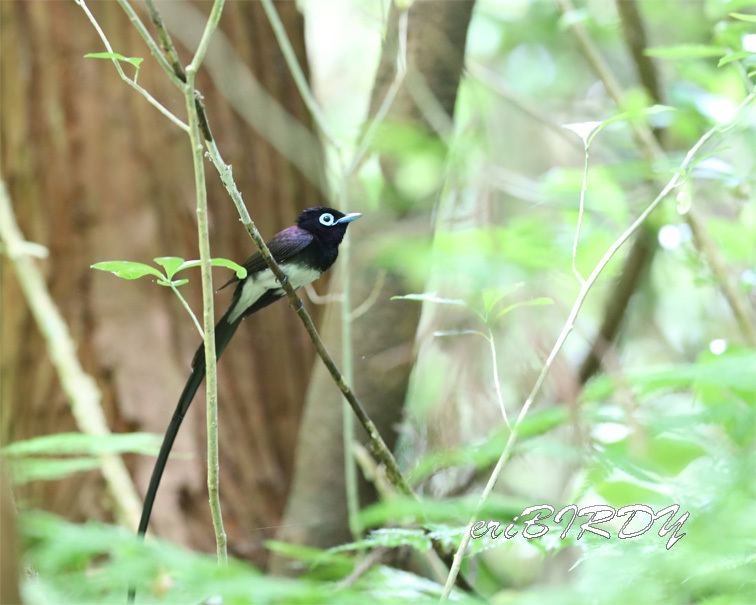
(672, 420)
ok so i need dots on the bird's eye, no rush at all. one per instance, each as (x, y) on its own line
(326, 219)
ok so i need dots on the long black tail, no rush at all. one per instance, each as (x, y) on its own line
(224, 330)
(223, 333)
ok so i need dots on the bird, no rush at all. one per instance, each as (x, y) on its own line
(303, 251)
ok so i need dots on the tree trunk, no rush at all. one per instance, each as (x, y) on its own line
(96, 173)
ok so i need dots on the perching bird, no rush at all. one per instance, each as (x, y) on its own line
(303, 252)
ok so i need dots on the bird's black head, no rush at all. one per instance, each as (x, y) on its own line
(327, 224)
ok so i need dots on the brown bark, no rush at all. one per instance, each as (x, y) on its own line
(383, 337)
(96, 174)
(9, 592)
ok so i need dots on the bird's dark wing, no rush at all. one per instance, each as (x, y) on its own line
(283, 245)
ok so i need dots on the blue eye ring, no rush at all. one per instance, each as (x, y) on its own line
(326, 219)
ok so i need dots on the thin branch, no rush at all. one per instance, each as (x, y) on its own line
(491, 80)
(680, 175)
(583, 189)
(80, 388)
(495, 364)
(372, 297)
(320, 299)
(171, 56)
(178, 77)
(388, 100)
(188, 310)
(212, 25)
(380, 115)
(154, 102)
(296, 71)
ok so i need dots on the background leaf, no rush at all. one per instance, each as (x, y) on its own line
(127, 269)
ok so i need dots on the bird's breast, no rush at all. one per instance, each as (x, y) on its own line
(260, 283)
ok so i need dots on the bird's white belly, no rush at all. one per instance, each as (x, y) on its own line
(255, 287)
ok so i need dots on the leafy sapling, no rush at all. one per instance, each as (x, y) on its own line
(171, 266)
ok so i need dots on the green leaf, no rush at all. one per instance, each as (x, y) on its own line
(127, 269)
(116, 56)
(735, 57)
(526, 303)
(743, 17)
(135, 61)
(241, 272)
(494, 294)
(431, 297)
(80, 443)
(171, 264)
(393, 537)
(459, 333)
(25, 470)
(628, 115)
(685, 51)
(622, 493)
(588, 130)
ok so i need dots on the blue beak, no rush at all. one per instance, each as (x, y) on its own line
(352, 216)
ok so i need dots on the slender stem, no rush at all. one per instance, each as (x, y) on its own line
(388, 100)
(210, 27)
(81, 390)
(676, 179)
(171, 56)
(189, 310)
(211, 380)
(124, 77)
(495, 363)
(350, 462)
(154, 49)
(583, 189)
(380, 115)
(296, 71)
(208, 316)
